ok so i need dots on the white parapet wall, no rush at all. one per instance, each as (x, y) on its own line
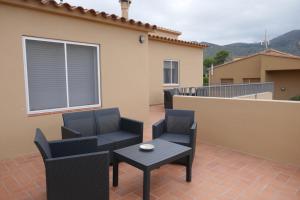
(264, 95)
(264, 128)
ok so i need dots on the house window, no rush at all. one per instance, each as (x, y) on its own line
(226, 81)
(60, 75)
(171, 72)
(251, 80)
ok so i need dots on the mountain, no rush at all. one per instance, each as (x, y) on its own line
(288, 42)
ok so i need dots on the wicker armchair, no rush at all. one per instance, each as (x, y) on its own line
(73, 170)
(178, 127)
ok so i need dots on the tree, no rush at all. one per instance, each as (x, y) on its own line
(207, 64)
(221, 57)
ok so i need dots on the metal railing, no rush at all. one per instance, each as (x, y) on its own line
(228, 91)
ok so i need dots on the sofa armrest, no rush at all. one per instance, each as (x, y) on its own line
(193, 134)
(158, 129)
(68, 133)
(74, 146)
(84, 176)
(132, 126)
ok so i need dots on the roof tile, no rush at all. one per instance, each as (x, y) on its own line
(69, 7)
(177, 41)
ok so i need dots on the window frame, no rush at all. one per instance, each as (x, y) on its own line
(178, 74)
(68, 108)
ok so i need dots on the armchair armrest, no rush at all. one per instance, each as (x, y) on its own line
(84, 176)
(68, 133)
(193, 134)
(75, 146)
(132, 126)
(158, 128)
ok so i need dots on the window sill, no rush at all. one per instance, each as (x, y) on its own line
(170, 85)
(61, 111)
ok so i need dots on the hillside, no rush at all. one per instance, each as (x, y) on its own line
(288, 42)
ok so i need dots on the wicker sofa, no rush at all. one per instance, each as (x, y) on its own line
(111, 130)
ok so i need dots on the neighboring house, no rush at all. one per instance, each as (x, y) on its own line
(58, 58)
(267, 66)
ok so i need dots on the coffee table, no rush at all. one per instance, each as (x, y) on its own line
(163, 153)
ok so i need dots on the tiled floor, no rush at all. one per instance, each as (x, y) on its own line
(218, 174)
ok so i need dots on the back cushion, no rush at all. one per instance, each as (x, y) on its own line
(107, 120)
(42, 144)
(179, 121)
(83, 122)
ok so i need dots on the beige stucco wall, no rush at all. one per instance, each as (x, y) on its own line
(190, 67)
(288, 79)
(124, 72)
(268, 129)
(284, 72)
(164, 33)
(245, 68)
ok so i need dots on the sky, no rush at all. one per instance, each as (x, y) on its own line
(215, 21)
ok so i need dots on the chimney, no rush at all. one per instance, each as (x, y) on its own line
(125, 7)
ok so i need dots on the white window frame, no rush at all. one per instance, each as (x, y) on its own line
(68, 108)
(178, 78)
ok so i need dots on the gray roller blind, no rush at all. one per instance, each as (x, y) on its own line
(61, 75)
(46, 75)
(167, 72)
(175, 72)
(82, 75)
(171, 72)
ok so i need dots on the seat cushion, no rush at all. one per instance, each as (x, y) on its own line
(107, 120)
(82, 122)
(122, 138)
(176, 138)
(104, 144)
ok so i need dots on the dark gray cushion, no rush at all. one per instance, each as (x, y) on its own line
(179, 121)
(42, 144)
(108, 120)
(83, 122)
(102, 141)
(119, 136)
(176, 138)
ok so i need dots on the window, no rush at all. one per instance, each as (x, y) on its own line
(226, 81)
(171, 72)
(251, 80)
(60, 75)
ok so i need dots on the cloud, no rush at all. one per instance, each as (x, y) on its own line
(215, 21)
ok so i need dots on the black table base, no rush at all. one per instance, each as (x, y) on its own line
(120, 156)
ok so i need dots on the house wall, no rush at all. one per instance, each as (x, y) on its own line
(190, 67)
(267, 129)
(284, 72)
(287, 79)
(124, 72)
(165, 34)
(237, 70)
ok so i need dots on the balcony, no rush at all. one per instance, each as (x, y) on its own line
(219, 173)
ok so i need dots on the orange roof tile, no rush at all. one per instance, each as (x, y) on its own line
(68, 7)
(176, 41)
(267, 52)
(167, 30)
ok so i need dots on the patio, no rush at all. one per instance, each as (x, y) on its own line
(218, 173)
